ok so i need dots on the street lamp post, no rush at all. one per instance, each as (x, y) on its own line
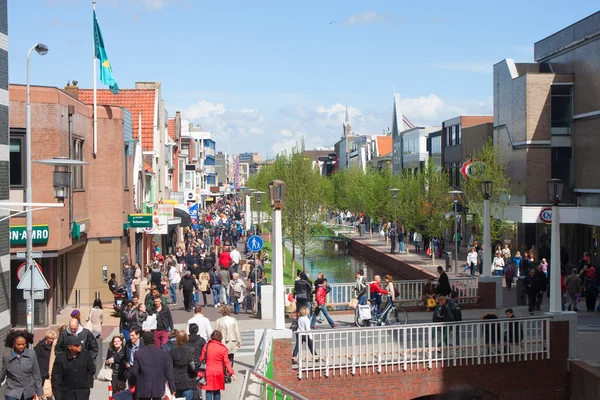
(258, 196)
(486, 188)
(42, 50)
(395, 195)
(455, 196)
(277, 193)
(555, 192)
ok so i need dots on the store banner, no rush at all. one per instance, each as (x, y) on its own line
(160, 224)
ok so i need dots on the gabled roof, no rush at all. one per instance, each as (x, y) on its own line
(384, 145)
(135, 100)
(172, 128)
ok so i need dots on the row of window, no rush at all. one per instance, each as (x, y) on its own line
(453, 135)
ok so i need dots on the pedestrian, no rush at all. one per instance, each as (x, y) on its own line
(441, 314)
(360, 288)
(514, 332)
(168, 347)
(401, 240)
(532, 288)
(115, 359)
(44, 354)
(542, 285)
(225, 278)
(517, 262)
(573, 288)
(164, 322)
(491, 331)
(236, 257)
(96, 317)
(498, 264)
(20, 367)
(230, 331)
(303, 326)
(392, 234)
(128, 275)
(174, 281)
(509, 276)
(182, 355)
(139, 317)
(215, 283)
(73, 372)
(152, 368)
(472, 261)
(215, 354)
(126, 320)
(321, 297)
(205, 329)
(112, 283)
(137, 278)
(131, 347)
(443, 287)
(391, 291)
(236, 292)
(204, 279)
(86, 339)
(588, 286)
(188, 285)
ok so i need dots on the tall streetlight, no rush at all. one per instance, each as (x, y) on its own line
(455, 197)
(258, 195)
(277, 193)
(486, 189)
(395, 195)
(555, 193)
(42, 50)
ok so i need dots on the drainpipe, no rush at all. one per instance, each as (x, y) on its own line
(71, 112)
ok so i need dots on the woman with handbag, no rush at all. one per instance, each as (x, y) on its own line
(95, 318)
(228, 327)
(184, 367)
(115, 359)
(214, 359)
(204, 279)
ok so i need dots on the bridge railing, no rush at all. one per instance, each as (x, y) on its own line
(436, 345)
(407, 292)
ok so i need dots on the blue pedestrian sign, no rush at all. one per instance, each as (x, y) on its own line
(255, 243)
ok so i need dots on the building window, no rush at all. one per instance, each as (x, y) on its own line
(436, 145)
(17, 161)
(561, 164)
(78, 171)
(458, 133)
(126, 167)
(561, 109)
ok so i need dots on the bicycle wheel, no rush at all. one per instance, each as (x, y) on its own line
(397, 316)
(361, 323)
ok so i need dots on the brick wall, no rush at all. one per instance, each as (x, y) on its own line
(584, 381)
(536, 379)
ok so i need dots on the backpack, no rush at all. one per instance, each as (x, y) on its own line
(235, 232)
(455, 311)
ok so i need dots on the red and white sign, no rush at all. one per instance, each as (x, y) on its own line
(21, 269)
(546, 215)
(466, 171)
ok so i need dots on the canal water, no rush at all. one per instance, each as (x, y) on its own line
(338, 264)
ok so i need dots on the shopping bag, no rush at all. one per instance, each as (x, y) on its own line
(364, 312)
(105, 374)
(353, 303)
(47, 388)
(150, 323)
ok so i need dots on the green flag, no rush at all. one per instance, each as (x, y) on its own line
(106, 74)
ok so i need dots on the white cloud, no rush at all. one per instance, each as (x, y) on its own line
(337, 112)
(365, 17)
(285, 132)
(204, 109)
(430, 109)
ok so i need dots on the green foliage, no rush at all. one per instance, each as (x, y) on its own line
(490, 167)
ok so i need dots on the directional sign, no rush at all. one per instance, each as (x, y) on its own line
(255, 243)
(39, 282)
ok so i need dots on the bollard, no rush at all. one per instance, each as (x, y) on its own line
(110, 397)
(77, 298)
(97, 295)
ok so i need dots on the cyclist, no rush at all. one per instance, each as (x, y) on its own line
(376, 292)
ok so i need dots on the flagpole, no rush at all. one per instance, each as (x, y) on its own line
(95, 94)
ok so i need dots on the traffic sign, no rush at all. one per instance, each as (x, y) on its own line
(37, 295)
(21, 255)
(255, 243)
(21, 269)
(39, 282)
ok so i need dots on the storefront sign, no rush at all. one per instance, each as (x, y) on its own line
(140, 220)
(546, 215)
(18, 234)
(79, 227)
(160, 225)
(177, 196)
(175, 202)
(164, 210)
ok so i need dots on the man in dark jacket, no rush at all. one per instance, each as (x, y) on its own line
(134, 343)
(152, 367)
(73, 372)
(542, 285)
(164, 322)
(43, 350)
(86, 338)
(191, 259)
(187, 285)
(302, 291)
(443, 287)
(442, 313)
(156, 278)
(532, 288)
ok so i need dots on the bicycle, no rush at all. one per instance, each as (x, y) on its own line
(391, 315)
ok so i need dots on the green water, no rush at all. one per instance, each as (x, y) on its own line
(338, 264)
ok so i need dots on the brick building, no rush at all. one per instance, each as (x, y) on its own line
(84, 242)
(5, 277)
(546, 122)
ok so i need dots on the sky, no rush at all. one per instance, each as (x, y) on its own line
(264, 74)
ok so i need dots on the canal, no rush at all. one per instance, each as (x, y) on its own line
(339, 264)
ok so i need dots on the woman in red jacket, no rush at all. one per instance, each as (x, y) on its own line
(217, 357)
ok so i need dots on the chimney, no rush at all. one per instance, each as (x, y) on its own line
(72, 90)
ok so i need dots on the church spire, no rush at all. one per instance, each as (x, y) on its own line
(347, 127)
(347, 120)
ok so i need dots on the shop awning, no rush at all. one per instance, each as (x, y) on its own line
(568, 215)
(182, 213)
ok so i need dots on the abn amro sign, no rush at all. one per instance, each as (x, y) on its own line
(18, 234)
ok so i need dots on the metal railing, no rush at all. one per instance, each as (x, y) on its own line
(268, 388)
(436, 345)
(407, 292)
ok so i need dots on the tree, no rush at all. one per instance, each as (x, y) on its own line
(488, 165)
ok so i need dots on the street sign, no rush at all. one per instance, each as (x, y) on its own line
(21, 269)
(140, 220)
(18, 234)
(21, 255)
(255, 243)
(546, 215)
(39, 282)
(37, 295)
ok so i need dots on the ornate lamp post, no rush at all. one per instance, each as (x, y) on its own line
(455, 197)
(395, 195)
(486, 189)
(277, 194)
(555, 193)
(258, 196)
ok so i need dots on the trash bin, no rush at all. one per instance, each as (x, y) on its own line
(448, 260)
(521, 295)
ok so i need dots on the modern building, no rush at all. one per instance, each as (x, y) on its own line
(546, 124)
(5, 280)
(453, 143)
(88, 239)
(434, 148)
(206, 146)
(399, 124)
(415, 152)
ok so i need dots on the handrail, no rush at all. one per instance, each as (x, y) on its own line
(424, 345)
(287, 393)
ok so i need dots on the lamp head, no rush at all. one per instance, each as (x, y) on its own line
(555, 191)
(486, 189)
(41, 49)
(277, 193)
(394, 192)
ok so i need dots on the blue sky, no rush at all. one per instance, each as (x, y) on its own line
(263, 74)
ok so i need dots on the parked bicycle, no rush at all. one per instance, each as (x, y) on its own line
(391, 315)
